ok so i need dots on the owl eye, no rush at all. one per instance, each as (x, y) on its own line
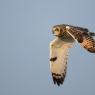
(56, 29)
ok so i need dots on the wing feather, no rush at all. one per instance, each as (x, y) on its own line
(83, 38)
(58, 60)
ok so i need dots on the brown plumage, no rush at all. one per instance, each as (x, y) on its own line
(84, 38)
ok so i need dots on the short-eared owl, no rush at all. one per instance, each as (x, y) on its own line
(66, 35)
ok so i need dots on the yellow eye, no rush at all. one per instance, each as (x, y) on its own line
(56, 29)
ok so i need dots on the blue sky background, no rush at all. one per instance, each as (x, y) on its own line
(25, 34)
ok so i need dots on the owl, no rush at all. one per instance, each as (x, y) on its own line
(65, 36)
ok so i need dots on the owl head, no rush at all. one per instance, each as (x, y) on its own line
(58, 30)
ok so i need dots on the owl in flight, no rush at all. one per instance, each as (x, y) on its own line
(66, 35)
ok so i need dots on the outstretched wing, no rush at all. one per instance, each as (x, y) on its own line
(83, 37)
(58, 60)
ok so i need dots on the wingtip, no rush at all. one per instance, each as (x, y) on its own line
(91, 50)
(91, 33)
(58, 78)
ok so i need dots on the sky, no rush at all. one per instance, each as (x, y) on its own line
(25, 34)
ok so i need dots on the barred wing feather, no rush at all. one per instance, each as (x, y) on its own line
(83, 37)
(58, 60)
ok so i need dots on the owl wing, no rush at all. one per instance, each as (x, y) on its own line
(58, 60)
(83, 37)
